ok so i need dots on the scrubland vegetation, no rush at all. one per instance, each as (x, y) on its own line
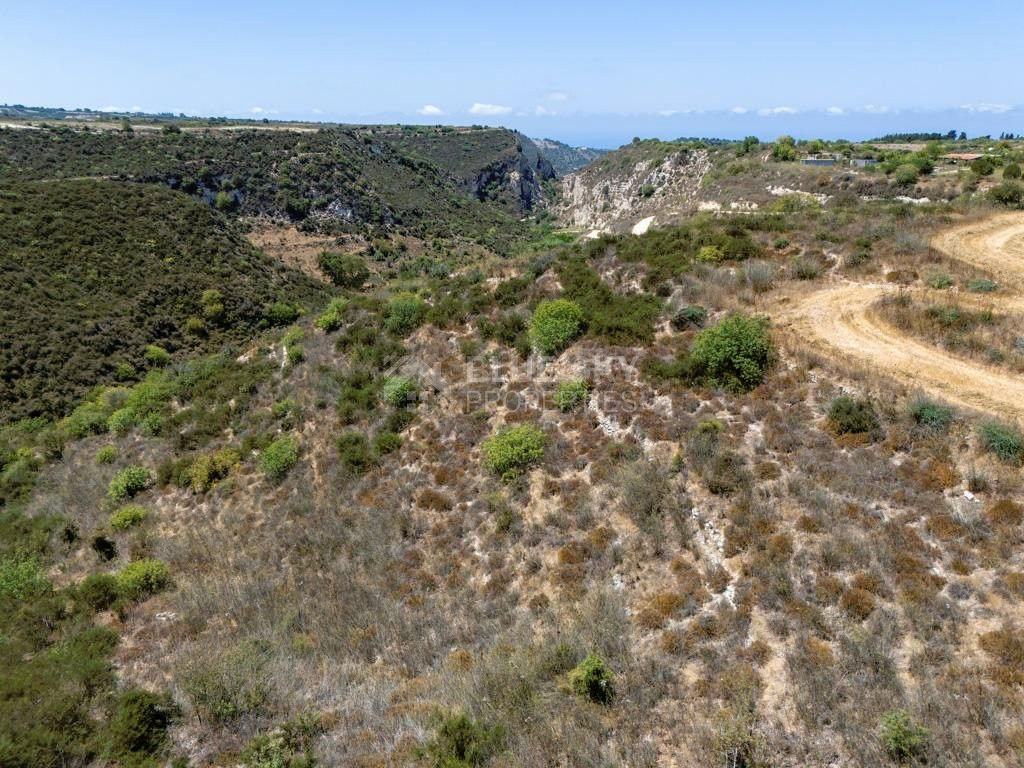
(588, 505)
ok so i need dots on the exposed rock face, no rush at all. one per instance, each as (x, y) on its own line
(515, 175)
(597, 198)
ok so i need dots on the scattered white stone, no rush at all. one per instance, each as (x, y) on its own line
(643, 225)
(618, 583)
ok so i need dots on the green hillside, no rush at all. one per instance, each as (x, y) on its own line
(332, 179)
(96, 270)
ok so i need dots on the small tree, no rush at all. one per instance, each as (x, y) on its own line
(733, 354)
(347, 270)
(129, 482)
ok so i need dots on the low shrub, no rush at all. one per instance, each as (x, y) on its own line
(106, 455)
(290, 746)
(1002, 440)
(157, 357)
(555, 324)
(571, 394)
(733, 354)
(903, 739)
(211, 468)
(398, 390)
(127, 517)
(332, 317)
(849, 416)
(139, 723)
(1008, 193)
(279, 457)
(512, 449)
(99, 591)
(690, 316)
(726, 473)
(280, 313)
(940, 281)
(404, 313)
(129, 482)
(930, 415)
(592, 679)
(461, 742)
(354, 451)
(387, 442)
(982, 285)
(804, 268)
(141, 578)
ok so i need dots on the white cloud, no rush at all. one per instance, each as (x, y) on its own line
(874, 109)
(489, 110)
(430, 110)
(316, 111)
(836, 111)
(776, 111)
(996, 109)
(739, 110)
(541, 111)
(558, 96)
(262, 111)
(111, 109)
(668, 112)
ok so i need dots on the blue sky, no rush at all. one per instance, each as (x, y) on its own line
(594, 73)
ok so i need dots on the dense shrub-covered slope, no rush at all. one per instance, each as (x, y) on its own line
(336, 179)
(94, 271)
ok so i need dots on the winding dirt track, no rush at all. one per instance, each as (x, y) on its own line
(838, 320)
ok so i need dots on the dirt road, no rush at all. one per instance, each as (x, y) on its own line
(838, 320)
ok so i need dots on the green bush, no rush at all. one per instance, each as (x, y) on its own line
(387, 442)
(279, 457)
(121, 421)
(280, 313)
(691, 316)
(139, 723)
(930, 415)
(332, 317)
(592, 679)
(1011, 171)
(106, 455)
(290, 746)
(21, 577)
(1004, 441)
(555, 324)
(211, 468)
(571, 394)
(940, 281)
(346, 270)
(733, 354)
(904, 739)
(143, 577)
(983, 166)
(461, 742)
(99, 591)
(129, 482)
(156, 356)
(849, 416)
(982, 285)
(1009, 193)
(404, 313)
(398, 390)
(354, 451)
(906, 174)
(512, 449)
(228, 685)
(128, 516)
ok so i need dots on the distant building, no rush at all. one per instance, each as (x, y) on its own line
(960, 157)
(862, 162)
(824, 160)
